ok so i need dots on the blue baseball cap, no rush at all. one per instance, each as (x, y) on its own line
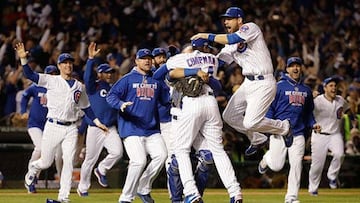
(293, 60)
(199, 42)
(51, 69)
(173, 50)
(104, 68)
(110, 56)
(330, 79)
(143, 53)
(158, 51)
(234, 12)
(65, 57)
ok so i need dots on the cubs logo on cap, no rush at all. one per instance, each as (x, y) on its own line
(234, 12)
(51, 69)
(143, 53)
(292, 60)
(65, 57)
(104, 68)
(199, 42)
(158, 51)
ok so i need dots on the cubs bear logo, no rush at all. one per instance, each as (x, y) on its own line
(77, 95)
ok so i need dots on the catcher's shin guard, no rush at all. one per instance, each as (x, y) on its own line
(203, 169)
(175, 185)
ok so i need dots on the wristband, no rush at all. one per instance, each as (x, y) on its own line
(191, 71)
(211, 37)
(23, 61)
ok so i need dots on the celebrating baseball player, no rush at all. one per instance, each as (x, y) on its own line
(293, 101)
(65, 98)
(246, 46)
(96, 138)
(328, 112)
(198, 114)
(37, 119)
(137, 95)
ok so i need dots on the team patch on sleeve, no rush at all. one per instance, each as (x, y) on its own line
(77, 95)
(244, 28)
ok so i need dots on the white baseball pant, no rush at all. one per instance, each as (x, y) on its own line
(275, 158)
(137, 179)
(96, 140)
(53, 136)
(246, 110)
(201, 114)
(320, 144)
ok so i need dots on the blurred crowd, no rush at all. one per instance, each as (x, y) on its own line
(324, 33)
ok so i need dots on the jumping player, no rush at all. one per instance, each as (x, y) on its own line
(328, 112)
(246, 46)
(199, 115)
(136, 96)
(97, 88)
(293, 101)
(65, 98)
(37, 119)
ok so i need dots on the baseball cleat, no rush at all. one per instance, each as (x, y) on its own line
(101, 178)
(194, 198)
(252, 149)
(52, 201)
(236, 199)
(82, 194)
(30, 188)
(64, 200)
(146, 198)
(332, 184)
(292, 201)
(314, 193)
(262, 167)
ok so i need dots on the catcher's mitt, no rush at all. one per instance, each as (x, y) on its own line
(189, 86)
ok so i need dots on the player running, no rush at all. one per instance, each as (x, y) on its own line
(136, 96)
(328, 112)
(293, 101)
(65, 98)
(246, 46)
(96, 139)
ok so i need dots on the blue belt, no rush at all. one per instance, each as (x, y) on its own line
(66, 123)
(255, 77)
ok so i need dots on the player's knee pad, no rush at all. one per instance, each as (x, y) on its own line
(205, 158)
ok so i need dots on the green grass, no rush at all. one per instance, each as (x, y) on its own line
(161, 196)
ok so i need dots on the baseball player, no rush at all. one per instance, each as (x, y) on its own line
(65, 98)
(328, 112)
(96, 138)
(136, 95)
(202, 157)
(37, 118)
(199, 114)
(293, 101)
(246, 46)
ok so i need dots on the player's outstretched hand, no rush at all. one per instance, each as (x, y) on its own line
(20, 50)
(200, 35)
(92, 51)
(124, 105)
(100, 125)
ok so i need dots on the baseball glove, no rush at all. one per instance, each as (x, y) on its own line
(189, 86)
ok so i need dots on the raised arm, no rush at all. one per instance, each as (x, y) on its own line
(30, 74)
(89, 75)
(232, 38)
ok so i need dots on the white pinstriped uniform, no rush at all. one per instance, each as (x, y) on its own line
(64, 103)
(200, 115)
(254, 58)
(328, 115)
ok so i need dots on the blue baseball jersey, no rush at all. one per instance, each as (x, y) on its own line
(97, 91)
(141, 118)
(293, 101)
(38, 109)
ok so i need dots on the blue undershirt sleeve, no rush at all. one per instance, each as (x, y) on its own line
(233, 38)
